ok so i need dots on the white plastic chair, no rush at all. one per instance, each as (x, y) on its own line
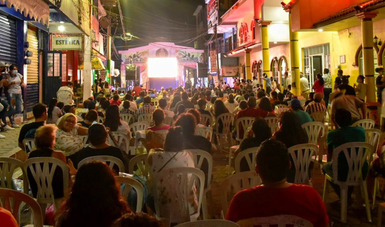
(250, 155)
(277, 220)
(146, 118)
(8, 166)
(302, 155)
(127, 117)
(123, 141)
(235, 183)
(129, 183)
(280, 108)
(372, 136)
(200, 157)
(206, 132)
(206, 120)
(138, 126)
(244, 123)
(356, 154)
(314, 130)
(365, 123)
(209, 223)
(272, 122)
(42, 171)
(12, 200)
(318, 116)
(111, 161)
(173, 190)
(224, 138)
(138, 162)
(29, 144)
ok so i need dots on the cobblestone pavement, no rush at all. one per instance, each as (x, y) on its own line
(9, 145)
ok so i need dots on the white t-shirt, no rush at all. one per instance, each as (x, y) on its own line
(15, 88)
(64, 94)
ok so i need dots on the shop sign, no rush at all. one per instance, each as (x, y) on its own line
(230, 71)
(213, 61)
(67, 43)
(212, 13)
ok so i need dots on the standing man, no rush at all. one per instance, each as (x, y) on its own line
(380, 83)
(65, 94)
(268, 83)
(327, 86)
(304, 85)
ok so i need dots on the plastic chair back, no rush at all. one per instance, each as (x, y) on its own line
(235, 183)
(209, 223)
(200, 157)
(127, 117)
(280, 108)
(365, 123)
(174, 187)
(123, 141)
(318, 116)
(109, 160)
(250, 155)
(138, 126)
(11, 200)
(226, 119)
(372, 136)
(206, 132)
(7, 168)
(129, 183)
(314, 130)
(147, 117)
(29, 144)
(272, 122)
(243, 123)
(206, 120)
(302, 155)
(139, 162)
(42, 170)
(277, 220)
(356, 154)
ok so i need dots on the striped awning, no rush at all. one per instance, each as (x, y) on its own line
(36, 9)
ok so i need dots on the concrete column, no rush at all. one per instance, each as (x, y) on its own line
(265, 48)
(87, 75)
(294, 60)
(247, 64)
(367, 53)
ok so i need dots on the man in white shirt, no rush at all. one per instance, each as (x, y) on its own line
(65, 94)
(304, 85)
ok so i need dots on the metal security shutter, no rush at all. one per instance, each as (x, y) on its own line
(32, 91)
(8, 47)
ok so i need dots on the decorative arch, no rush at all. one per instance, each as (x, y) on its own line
(272, 63)
(259, 71)
(359, 51)
(252, 29)
(282, 59)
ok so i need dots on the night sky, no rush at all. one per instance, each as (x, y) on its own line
(159, 20)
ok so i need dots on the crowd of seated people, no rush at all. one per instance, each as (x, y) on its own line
(184, 108)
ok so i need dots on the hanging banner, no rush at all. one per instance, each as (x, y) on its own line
(67, 43)
(37, 9)
(213, 61)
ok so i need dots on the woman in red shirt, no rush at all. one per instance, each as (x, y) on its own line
(319, 84)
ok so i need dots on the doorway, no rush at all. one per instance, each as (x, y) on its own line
(316, 67)
(53, 80)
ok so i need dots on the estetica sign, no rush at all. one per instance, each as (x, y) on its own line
(67, 43)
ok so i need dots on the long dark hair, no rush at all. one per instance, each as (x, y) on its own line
(51, 106)
(112, 118)
(290, 132)
(219, 108)
(321, 80)
(95, 199)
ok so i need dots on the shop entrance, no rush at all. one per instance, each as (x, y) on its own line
(53, 80)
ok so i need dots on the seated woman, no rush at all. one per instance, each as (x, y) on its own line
(114, 122)
(290, 133)
(158, 117)
(67, 135)
(95, 199)
(264, 108)
(97, 136)
(45, 143)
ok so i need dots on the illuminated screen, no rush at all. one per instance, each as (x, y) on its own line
(162, 67)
